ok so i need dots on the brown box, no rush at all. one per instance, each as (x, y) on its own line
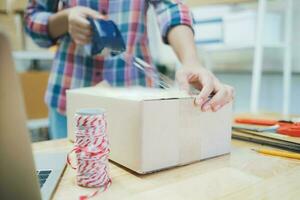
(144, 122)
(12, 25)
(34, 84)
(9, 6)
(194, 3)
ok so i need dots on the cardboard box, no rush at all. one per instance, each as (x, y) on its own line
(34, 84)
(153, 129)
(9, 6)
(12, 26)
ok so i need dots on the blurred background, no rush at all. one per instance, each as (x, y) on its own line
(252, 45)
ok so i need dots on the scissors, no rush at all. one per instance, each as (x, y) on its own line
(289, 128)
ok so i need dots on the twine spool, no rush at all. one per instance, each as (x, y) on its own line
(92, 150)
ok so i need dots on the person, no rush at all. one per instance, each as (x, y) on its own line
(72, 68)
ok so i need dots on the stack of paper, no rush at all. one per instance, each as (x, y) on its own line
(267, 138)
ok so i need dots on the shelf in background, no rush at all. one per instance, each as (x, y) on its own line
(249, 71)
(34, 124)
(223, 47)
(272, 5)
(33, 55)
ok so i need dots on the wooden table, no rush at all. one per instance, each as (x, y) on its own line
(243, 174)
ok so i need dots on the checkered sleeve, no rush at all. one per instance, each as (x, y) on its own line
(36, 19)
(171, 13)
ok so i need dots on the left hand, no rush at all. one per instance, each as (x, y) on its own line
(204, 81)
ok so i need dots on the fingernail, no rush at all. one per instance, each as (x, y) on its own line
(199, 101)
(195, 104)
(217, 107)
(190, 76)
(206, 107)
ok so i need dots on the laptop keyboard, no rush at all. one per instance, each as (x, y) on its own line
(43, 175)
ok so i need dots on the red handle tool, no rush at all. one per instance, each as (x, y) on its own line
(285, 127)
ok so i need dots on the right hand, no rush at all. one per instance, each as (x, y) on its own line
(206, 82)
(78, 26)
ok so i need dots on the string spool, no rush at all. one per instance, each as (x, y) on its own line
(92, 150)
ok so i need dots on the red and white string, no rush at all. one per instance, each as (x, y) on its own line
(92, 150)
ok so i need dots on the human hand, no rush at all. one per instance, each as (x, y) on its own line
(78, 26)
(204, 81)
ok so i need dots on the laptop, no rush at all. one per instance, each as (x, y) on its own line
(22, 175)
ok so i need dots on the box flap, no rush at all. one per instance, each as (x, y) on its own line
(132, 93)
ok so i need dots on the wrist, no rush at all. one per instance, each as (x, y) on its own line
(192, 62)
(190, 58)
(58, 23)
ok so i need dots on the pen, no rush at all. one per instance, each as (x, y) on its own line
(278, 153)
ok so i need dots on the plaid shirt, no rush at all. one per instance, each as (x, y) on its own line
(73, 69)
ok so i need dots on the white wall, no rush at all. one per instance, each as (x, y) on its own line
(296, 36)
(271, 91)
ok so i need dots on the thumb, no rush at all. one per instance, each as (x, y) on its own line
(182, 80)
(94, 14)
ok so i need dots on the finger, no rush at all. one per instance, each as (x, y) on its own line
(192, 77)
(81, 39)
(207, 89)
(182, 80)
(81, 23)
(86, 32)
(219, 102)
(231, 93)
(183, 84)
(206, 106)
(81, 42)
(219, 99)
(94, 14)
(82, 35)
(101, 16)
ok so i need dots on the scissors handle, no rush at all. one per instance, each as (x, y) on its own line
(285, 127)
(263, 122)
(290, 130)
